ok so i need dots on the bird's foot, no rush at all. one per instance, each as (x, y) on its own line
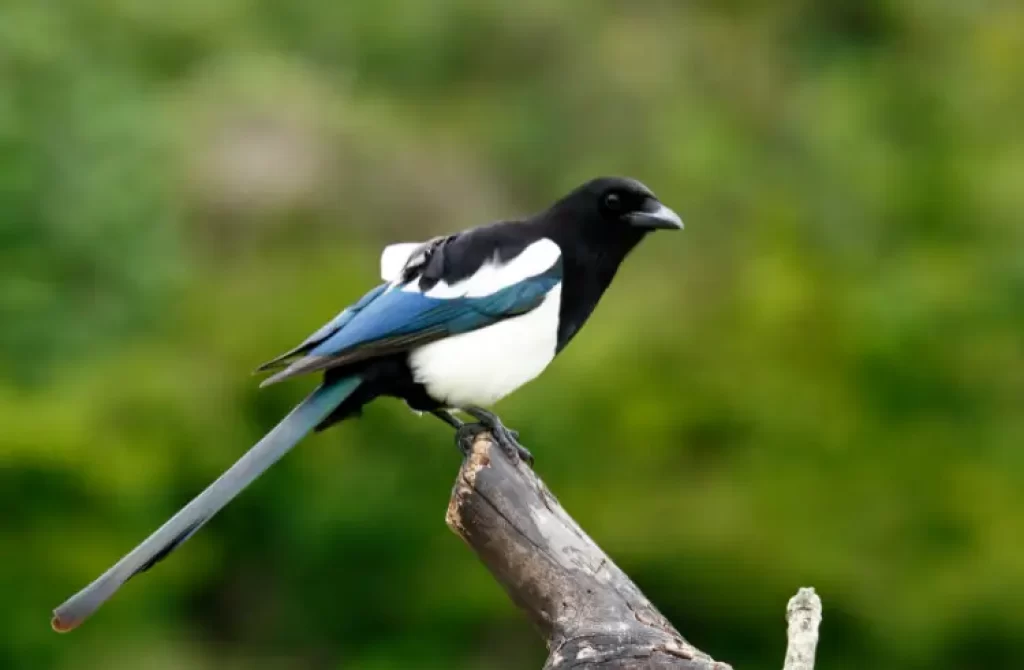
(505, 437)
(465, 436)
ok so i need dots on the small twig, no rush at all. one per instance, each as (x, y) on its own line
(804, 616)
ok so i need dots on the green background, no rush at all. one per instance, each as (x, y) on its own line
(820, 382)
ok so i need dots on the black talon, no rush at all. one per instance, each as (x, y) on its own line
(465, 433)
(465, 436)
(522, 454)
(506, 438)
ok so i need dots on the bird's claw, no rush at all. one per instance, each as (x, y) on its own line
(505, 438)
(465, 436)
(508, 440)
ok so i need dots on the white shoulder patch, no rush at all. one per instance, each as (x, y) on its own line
(534, 260)
(494, 275)
(394, 257)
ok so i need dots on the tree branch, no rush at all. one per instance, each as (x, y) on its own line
(804, 616)
(591, 614)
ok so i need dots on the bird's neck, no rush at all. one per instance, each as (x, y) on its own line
(588, 267)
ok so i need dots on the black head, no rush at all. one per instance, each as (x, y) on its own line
(596, 226)
(611, 208)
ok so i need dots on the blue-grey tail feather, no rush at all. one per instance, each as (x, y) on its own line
(285, 435)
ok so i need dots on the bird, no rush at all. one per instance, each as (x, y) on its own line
(458, 323)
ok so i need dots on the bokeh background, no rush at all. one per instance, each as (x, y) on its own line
(820, 382)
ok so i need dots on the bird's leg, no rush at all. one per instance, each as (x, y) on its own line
(506, 438)
(465, 433)
(448, 418)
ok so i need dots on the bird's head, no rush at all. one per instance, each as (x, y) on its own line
(614, 208)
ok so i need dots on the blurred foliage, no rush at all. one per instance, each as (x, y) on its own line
(820, 382)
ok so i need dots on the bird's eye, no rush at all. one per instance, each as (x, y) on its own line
(613, 202)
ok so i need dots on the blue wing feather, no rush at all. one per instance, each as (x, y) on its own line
(398, 312)
(386, 320)
(326, 330)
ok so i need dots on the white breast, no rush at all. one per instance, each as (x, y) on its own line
(483, 366)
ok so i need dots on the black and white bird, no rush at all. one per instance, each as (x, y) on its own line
(458, 323)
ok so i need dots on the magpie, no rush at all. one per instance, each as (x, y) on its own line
(458, 323)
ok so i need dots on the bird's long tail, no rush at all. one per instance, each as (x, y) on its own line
(285, 435)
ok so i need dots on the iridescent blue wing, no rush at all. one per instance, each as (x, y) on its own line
(398, 317)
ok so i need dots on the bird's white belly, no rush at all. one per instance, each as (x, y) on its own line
(483, 366)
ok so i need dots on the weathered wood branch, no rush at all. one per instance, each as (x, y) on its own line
(803, 613)
(591, 614)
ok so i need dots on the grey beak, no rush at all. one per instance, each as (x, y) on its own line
(655, 216)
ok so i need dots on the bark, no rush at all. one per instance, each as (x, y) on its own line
(591, 614)
(804, 616)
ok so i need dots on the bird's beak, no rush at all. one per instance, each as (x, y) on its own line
(655, 215)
